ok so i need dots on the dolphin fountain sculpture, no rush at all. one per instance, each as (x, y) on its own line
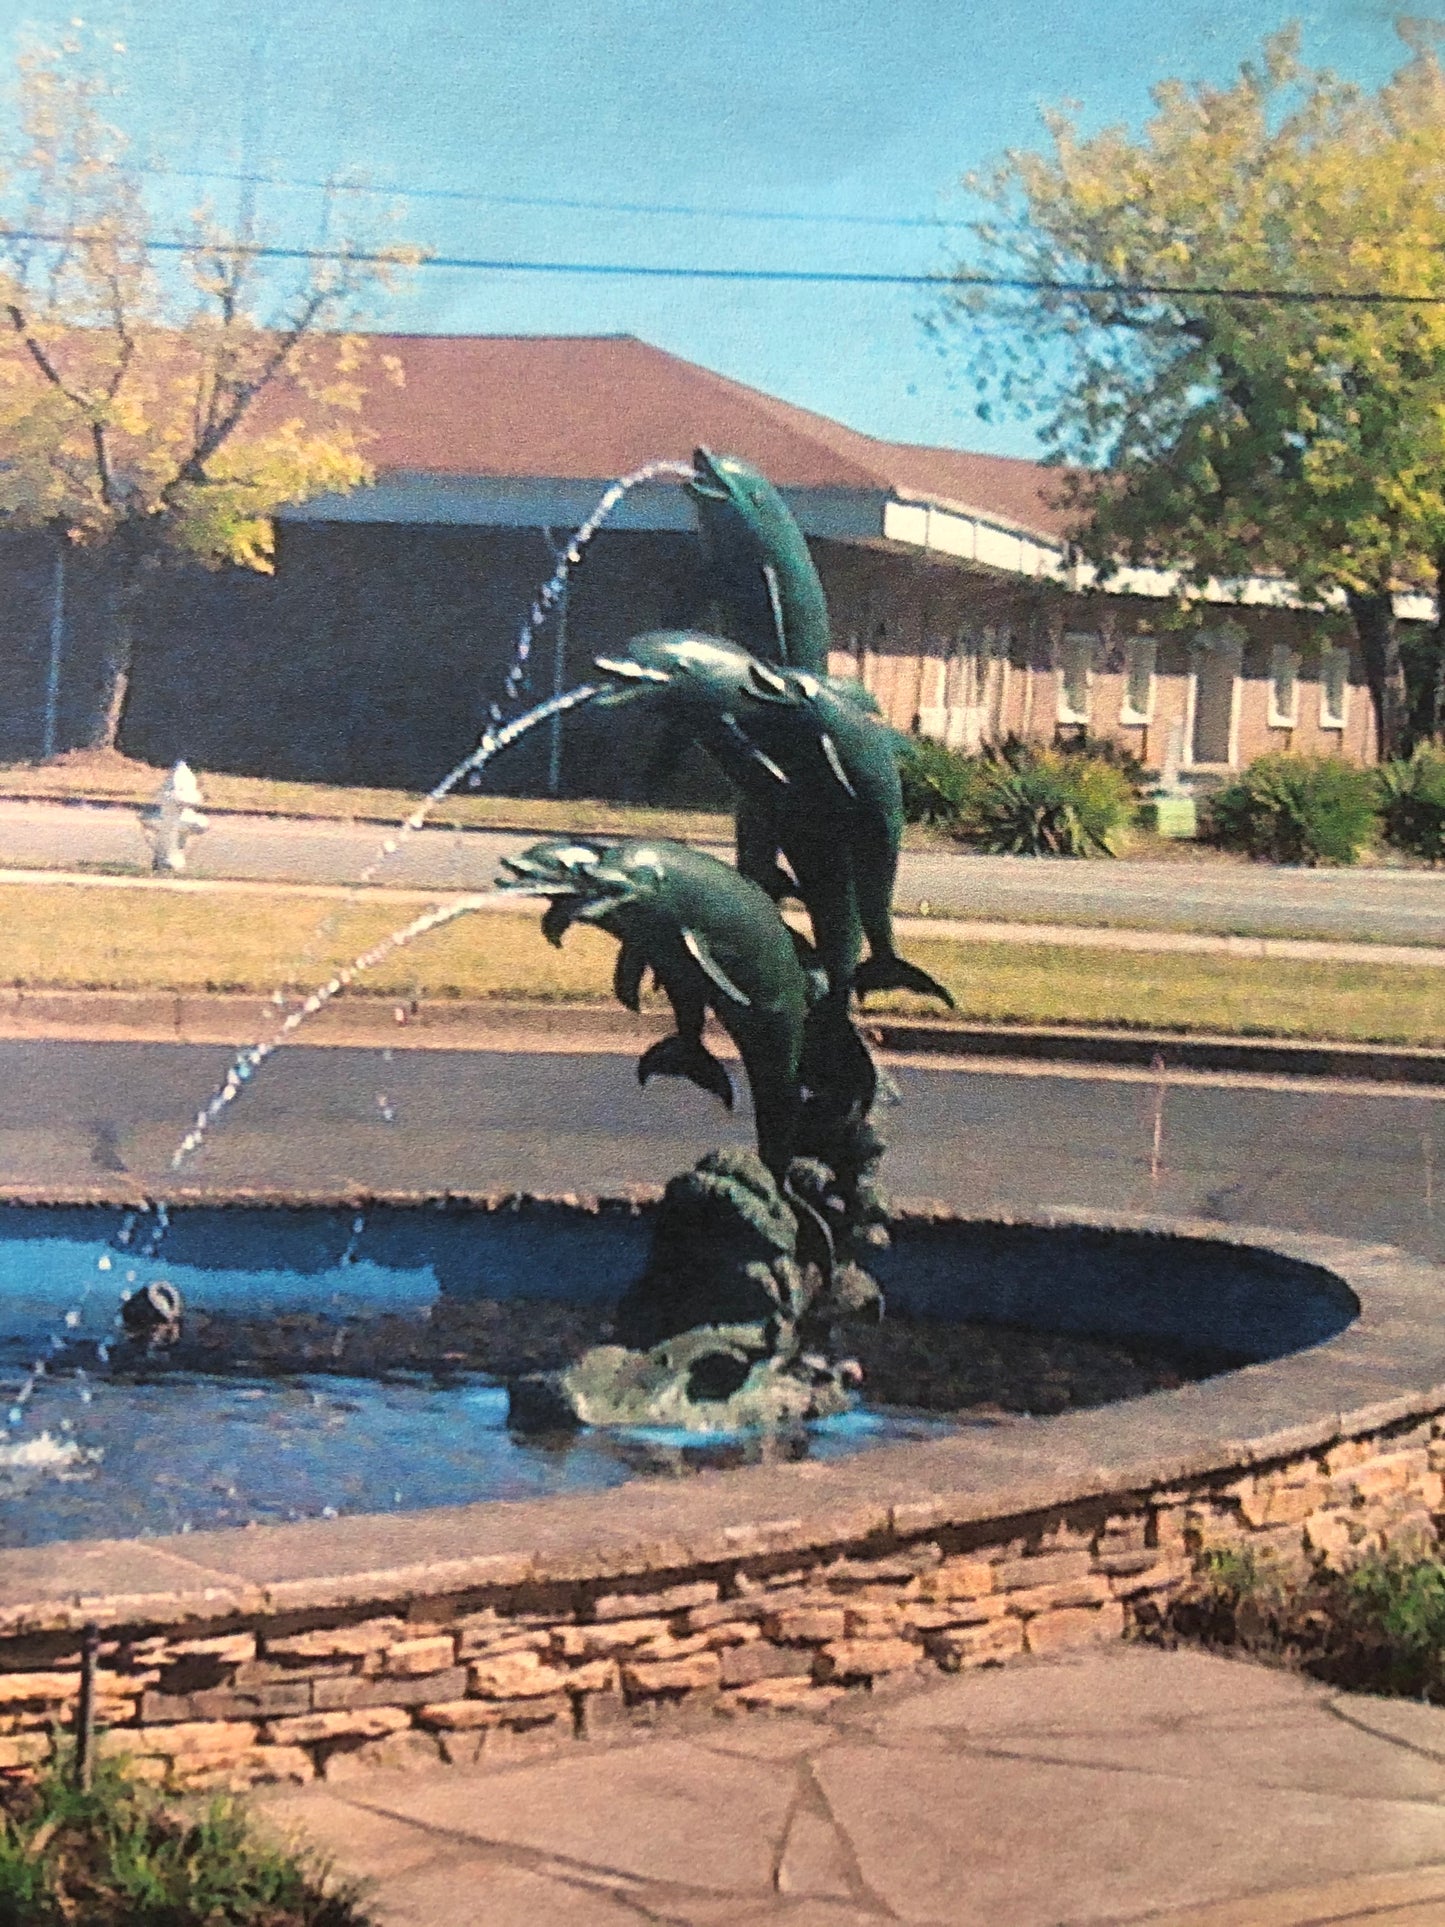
(757, 1260)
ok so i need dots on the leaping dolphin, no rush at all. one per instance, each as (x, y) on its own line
(713, 941)
(761, 568)
(819, 775)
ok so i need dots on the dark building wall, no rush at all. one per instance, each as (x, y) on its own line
(373, 652)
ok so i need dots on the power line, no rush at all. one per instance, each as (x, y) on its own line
(819, 277)
(476, 198)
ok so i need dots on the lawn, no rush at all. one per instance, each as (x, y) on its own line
(83, 935)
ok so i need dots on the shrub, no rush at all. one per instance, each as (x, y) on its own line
(1047, 802)
(936, 782)
(1378, 1627)
(1412, 803)
(1297, 809)
(114, 1856)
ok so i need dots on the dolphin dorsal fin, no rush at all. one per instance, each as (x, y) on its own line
(713, 970)
(835, 763)
(775, 599)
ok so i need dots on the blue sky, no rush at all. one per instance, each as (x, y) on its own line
(816, 107)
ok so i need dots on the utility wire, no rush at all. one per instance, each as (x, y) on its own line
(362, 257)
(382, 191)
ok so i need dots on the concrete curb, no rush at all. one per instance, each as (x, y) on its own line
(363, 1022)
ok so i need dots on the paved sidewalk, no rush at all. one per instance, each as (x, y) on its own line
(1122, 1786)
(909, 928)
(1379, 904)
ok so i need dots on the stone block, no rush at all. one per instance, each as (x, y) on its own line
(1278, 1502)
(339, 1642)
(484, 1634)
(1040, 1569)
(1092, 1589)
(1071, 1626)
(596, 1676)
(699, 1619)
(813, 1624)
(350, 1690)
(957, 1579)
(48, 1688)
(986, 1645)
(515, 1676)
(927, 1615)
(24, 1749)
(846, 1575)
(208, 1741)
(645, 1678)
(356, 1722)
(1347, 1453)
(1161, 1576)
(671, 1599)
(473, 1716)
(1328, 1534)
(600, 1642)
(411, 1752)
(432, 1654)
(255, 1766)
(873, 1619)
(1126, 1532)
(227, 1649)
(1390, 1472)
(782, 1695)
(866, 1658)
(224, 1703)
(746, 1665)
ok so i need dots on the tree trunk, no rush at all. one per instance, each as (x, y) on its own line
(1434, 722)
(1374, 615)
(127, 570)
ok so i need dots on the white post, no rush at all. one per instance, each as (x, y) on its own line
(57, 639)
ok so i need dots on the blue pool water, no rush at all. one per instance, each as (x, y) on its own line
(106, 1449)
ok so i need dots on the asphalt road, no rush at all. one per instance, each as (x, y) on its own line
(1352, 1164)
(1383, 905)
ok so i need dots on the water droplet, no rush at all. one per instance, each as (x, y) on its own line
(15, 1415)
(72, 1318)
(102, 1263)
(328, 1512)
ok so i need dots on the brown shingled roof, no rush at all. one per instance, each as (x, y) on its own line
(587, 408)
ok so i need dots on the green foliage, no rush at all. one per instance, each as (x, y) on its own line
(1377, 1627)
(1047, 802)
(1227, 437)
(1412, 803)
(937, 782)
(1297, 809)
(116, 1857)
(1398, 1605)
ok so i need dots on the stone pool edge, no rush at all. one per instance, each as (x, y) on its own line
(283, 1652)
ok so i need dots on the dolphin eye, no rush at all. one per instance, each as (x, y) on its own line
(764, 678)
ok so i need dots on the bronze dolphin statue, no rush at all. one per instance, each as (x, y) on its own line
(819, 775)
(713, 941)
(760, 567)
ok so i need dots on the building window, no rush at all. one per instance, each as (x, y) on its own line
(1140, 653)
(1076, 674)
(1334, 688)
(1283, 686)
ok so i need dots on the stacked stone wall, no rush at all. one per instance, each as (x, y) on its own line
(491, 1674)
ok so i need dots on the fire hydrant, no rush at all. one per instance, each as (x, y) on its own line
(173, 819)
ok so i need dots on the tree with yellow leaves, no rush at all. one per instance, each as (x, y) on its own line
(160, 396)
(1234, 332)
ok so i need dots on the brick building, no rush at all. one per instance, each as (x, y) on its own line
(371, 654)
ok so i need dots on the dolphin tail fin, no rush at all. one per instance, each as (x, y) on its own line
(894, 973)
(679, 1056)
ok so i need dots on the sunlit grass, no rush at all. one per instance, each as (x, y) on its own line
(81, 935)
